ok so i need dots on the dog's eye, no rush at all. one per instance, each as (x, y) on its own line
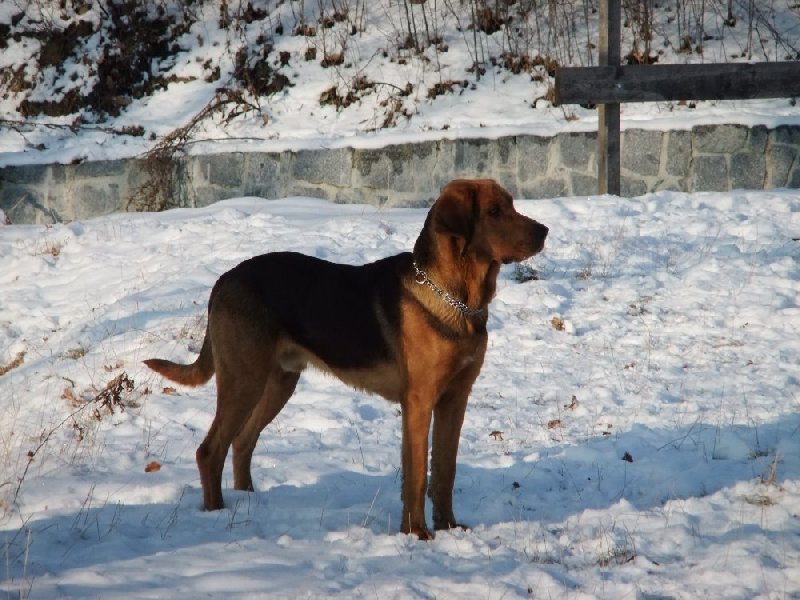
(494, 211)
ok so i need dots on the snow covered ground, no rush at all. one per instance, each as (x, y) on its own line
(635, 432)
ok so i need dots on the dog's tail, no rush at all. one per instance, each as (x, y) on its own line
(194, 374)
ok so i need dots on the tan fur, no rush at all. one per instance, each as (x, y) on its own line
(375, 327)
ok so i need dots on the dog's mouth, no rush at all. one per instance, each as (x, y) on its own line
(524, 253)
(528, 245)
(507, 260)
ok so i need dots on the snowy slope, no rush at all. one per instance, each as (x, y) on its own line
(387, 92)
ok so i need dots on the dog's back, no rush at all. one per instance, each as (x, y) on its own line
(347, 316)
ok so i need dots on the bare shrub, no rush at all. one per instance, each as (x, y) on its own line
(15, 362)
(161, 163)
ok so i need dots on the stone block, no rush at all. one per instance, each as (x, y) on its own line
(438, 179)
(473, 157)
(425, 151)
(261, 167)
(181, 186)
(97, 168)
(26, 205)
(361, 196)
(268, 191)
(504, 153)
(788, 134)
(364, 161)
(577, 150)
(630, 187)
(677, 184)
(92, 199)
(332, 167)
(508, 181)
(390, 168)
(794, 179)
(137, 174)
(718, 139)
(444, 165)
(546, 187)
(710, 173)
(757, 142)
(390, 199)
(583, 185)
(224, 170)
(58, 173)
(421, 201)
(262, 175)
(679, 153)
(780, 159)
(25, 174)
(399, 158)
(300, 188)
(533, 157)
(641, 151)
(439, 176)
(748, 171)
(13, 199)
(206, 195)
(423, 169)
(378, 165)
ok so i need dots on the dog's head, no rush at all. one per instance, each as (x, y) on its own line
(478, 216)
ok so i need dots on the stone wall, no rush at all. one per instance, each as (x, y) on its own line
(707, 158)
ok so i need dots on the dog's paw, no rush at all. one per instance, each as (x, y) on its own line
(423, 533)
(447, 526)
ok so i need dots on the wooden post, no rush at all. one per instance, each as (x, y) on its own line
(611, 83)
(608, 137)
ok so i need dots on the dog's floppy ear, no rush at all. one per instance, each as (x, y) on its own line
(455, 211)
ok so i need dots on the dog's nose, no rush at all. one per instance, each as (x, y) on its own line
(542, 229)
(539, 235)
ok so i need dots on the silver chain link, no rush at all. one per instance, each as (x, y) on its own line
(423, 279)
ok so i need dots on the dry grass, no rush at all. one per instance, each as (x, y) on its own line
(15, 362)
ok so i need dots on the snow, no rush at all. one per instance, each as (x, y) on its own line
(678, 351)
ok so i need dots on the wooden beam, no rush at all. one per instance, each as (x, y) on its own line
(645, 83)
(608, 134)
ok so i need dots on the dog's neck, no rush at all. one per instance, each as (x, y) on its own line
(459, 275)
(422, 278)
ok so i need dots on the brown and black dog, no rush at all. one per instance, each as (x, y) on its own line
(410, 327)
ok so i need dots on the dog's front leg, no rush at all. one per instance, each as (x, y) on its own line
(417, 410)
(448, 417)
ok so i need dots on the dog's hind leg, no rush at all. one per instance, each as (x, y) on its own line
(237, 398)
(279, 388)
(242, 362)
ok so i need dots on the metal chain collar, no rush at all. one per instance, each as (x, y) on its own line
(423, 279)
